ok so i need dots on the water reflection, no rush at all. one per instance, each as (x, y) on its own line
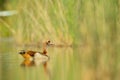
(78, 63)
(27, 63)
(34, 63)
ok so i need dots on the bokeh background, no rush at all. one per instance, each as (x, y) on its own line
(86, 32)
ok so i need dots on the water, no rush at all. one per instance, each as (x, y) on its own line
(77, 63)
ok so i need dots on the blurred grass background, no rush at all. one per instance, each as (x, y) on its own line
(63, 21)
(94, 24)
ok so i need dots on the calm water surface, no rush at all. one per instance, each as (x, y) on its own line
(77, 63)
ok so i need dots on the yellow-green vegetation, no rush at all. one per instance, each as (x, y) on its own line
(93, 22)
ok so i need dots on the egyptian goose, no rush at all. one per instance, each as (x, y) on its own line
(34, 55)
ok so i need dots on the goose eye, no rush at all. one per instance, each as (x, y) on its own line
(48, 42)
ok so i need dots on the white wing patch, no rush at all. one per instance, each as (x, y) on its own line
(39, 58)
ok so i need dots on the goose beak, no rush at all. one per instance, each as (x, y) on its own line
(51, 44)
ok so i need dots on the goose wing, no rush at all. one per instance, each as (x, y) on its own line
(31, 53)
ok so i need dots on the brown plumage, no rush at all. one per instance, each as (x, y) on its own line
(31, 54)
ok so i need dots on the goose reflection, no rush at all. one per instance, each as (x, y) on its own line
(35, 58)
(30, 63)
(33, 63)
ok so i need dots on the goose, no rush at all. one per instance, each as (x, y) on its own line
(35, 55)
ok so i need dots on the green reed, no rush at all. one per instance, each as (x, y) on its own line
(67, 22)
(92, 23)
